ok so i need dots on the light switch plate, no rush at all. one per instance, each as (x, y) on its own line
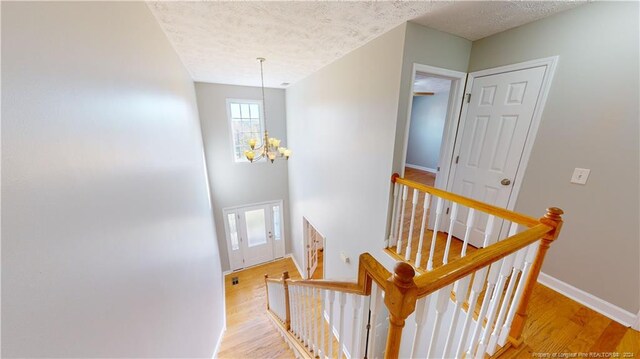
(580, 175)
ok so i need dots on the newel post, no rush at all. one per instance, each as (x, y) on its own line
(266, 288)
(285, 284)
(400, 298)
(553, 218)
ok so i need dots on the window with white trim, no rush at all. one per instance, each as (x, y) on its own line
(246, 121)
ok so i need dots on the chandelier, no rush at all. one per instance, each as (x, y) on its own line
(270, 147)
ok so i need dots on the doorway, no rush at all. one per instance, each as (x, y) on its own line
(254, 233)
(497, 128)
(432, 122)
(315, 243)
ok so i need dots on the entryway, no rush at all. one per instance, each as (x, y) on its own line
(315, 250)
(254, 233)
(475, 142)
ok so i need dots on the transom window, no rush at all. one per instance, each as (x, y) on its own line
(246, 122)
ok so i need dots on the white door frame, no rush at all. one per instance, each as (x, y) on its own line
(456, 93)
(305, 240)
(551, 64)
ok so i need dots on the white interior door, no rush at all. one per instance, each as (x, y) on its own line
(254, 234)
(491, 142)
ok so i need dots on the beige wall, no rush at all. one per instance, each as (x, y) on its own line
(236, 184)
(108, 244)
(590, 121)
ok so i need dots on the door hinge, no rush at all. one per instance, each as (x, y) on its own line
(438, 169)
(468, 97)
(457, 159)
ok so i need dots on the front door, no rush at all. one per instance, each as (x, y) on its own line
(254, 234)
(491, 143)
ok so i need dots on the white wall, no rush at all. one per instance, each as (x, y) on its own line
(235, 184)
(108, 244)
(341, 124)
(590, 121)
(428, 116)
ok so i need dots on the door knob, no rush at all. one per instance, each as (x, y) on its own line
(505, 182)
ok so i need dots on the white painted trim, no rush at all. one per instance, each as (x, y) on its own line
(219, 342)
(426, 169)
(293, 258)
(589, 300)
(456, 96)
(636, 325)
(262, 128)
(551, 64)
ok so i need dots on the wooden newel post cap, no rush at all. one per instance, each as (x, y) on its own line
(554, 213)
(394, 177)
(285, 275)
(266, 276)
(403, 273)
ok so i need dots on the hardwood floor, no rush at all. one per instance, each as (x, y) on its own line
(419, 176)
(556, 324)
(250, 333)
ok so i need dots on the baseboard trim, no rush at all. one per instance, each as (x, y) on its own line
(300, 271)
(589, 300)
(219, 343)
(416, 167)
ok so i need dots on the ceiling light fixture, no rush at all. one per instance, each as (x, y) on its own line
(270, 147)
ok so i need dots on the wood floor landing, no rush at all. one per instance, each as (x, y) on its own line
(250, 333)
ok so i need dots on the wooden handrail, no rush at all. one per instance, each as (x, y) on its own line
(369, 269)
(471, 203)
(440, 277)
(403, 288)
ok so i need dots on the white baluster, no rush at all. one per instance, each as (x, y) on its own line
(435, 233)
(422, 309)
(394, 211)
(441, 307)
(515, 270)
(414, 203)
(299, 310)
(398, 215)
(323, 349)
(294, 313)
(491, 283)
(425, 209)
(488, 231)
(507, 264)
(332, 295)
(308, 315)
(452, 222)
(376, 305)
(531, 251)
(356, 327)
(467, 233)
(404, 202)
(342, 298)
(478, 283)
(461, 288)
(314, 321)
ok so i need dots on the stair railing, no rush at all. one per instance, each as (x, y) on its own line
(449, 319)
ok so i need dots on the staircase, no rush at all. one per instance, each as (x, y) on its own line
(461, 302)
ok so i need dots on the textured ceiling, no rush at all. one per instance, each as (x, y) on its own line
(219, 41)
